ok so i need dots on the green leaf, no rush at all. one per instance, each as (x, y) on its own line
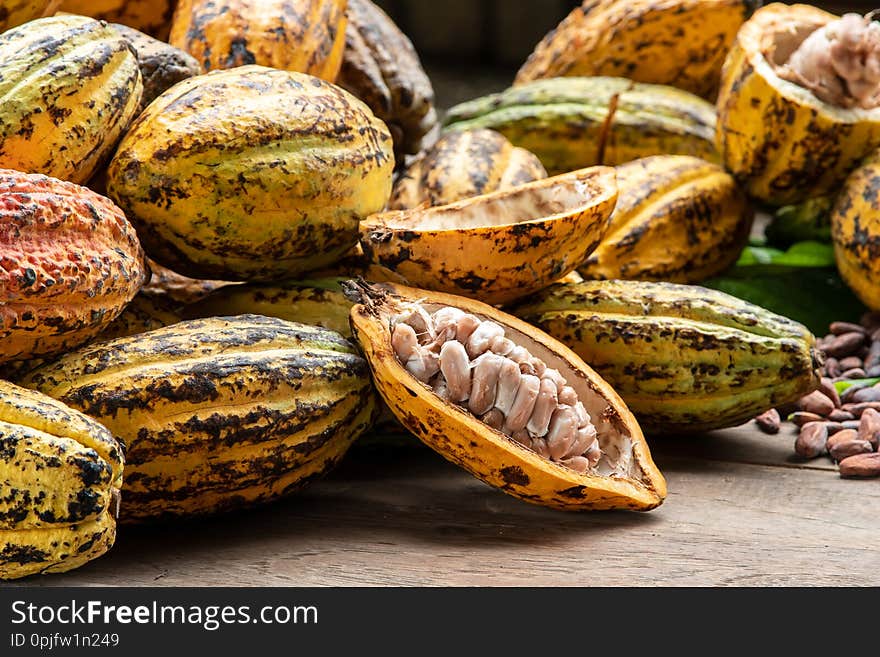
(848, 383)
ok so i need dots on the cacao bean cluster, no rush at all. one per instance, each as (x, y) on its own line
(845, 426)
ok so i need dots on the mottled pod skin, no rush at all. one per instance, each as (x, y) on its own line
(251, 174)
(60, 475)
(575, 122)
(683, 357)
(778, 140)
(464, 164)
(628, 480)
(69, 263)
(152, 17)
(318, 302)
(162, 65)
(15, 12)
(178, 288)
(219, 413)
(680, 43)
(293, 35)
(382, 68)
(500, 246)
(855, 231)
(69, 87)
(678, 219)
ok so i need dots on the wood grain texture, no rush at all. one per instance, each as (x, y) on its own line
(741, 512)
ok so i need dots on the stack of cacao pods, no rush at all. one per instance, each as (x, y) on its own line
(233, 233)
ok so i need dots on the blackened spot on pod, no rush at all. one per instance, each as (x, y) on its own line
(471, 282)
(514, 475)
(22, 554)
(28, 278)
(574, 493)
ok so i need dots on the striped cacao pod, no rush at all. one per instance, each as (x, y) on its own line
(294, 35)
(678, 219)
(684, 358)
(69, 87)
(152, 17)
(69, 264)
(251, 174)
(221, 412)
(60, 474)
(576, 122)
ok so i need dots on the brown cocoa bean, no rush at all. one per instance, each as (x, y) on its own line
(846, 395)
(873, 372)
(826, 387)
(839, 328)
(816, 402)
(869, 427)
(800, 418)
(858, 409)
(842, 436)
(769, 421)
(870, 319)
(842, 450)
(866, 395)
(873, 357)
(856, 373)
(832, 367)
(850, 363)
(861, 465)
(845, 345)
(840, 415)
(811, 440)
(875, 334)
(834, 427)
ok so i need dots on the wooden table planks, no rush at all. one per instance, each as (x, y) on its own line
(740, 512)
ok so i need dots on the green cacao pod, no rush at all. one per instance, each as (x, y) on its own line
(221, 412)
(251, 174)
(69, 87)
(69, 264)
(60, 473)
(576, 122)
(684, 358)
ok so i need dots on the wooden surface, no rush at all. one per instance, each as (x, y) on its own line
(740, 512)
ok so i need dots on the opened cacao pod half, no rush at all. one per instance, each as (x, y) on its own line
(500, 246)
(681, 43)
(15, 12)
(382, 68)
(293, 35)
(683, 357)
(152, 17)
(252, 174)
(777, 138)
(678, 219)
(60, 475)
(221, 412)
(464, 164)
(69, 86)
(576, 122)
(503, 400)
(855, 231)
(69, 264)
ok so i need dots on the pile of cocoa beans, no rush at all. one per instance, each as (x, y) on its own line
(844, 426)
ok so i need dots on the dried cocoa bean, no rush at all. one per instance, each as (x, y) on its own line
(870, 320)
(873, 372)
(873, 357)
(840, 415)
(834, 427)
(843, 436)
(811, 440)
(832, 367)
(869, 427)
(866, 395)
(857, 373)
(839, 328)
(826, 387)
(769, 421)
(861, 465)
(858, 409)
(842, 450)
(816, 402)
(845, 345)
(846, 395)
(850, 363)
(800, 418)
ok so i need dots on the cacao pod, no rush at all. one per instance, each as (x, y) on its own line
(221, 412)
(145, 313)
(680, 43)
(15, 12)
(382, 68)
(684, 358)
(500, 246)
(576, 122)
(152, 17)
(678, 219)
(294, 35)
(69, 86)
(464, 164)
(177, 288)
(69, 264)
(778, 140)
(251, 174)
(623, 475)
(60, 474)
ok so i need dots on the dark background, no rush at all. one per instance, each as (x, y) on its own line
(497, 33)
